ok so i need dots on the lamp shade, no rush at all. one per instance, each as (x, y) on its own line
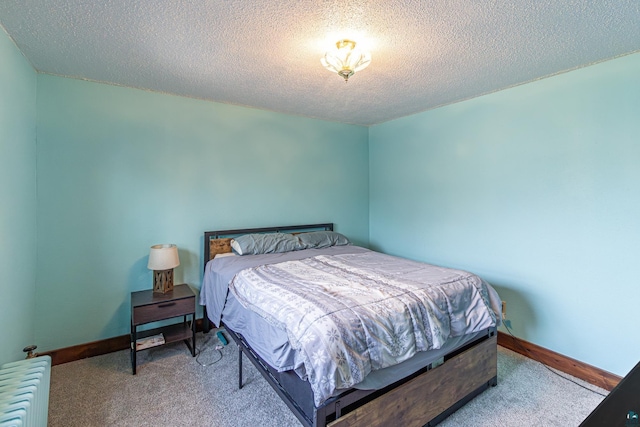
(163, 257)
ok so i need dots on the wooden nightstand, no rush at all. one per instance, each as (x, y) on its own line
(147, 307)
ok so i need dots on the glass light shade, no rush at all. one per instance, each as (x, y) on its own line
(345, 59)
(163, 257)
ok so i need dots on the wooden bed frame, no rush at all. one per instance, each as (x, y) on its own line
(422, 399)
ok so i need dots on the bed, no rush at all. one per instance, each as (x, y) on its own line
(415, 383)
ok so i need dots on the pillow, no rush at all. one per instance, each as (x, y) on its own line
(224, 255)
(322, 239)
(271, 243)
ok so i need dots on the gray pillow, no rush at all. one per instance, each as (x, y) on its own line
(322, 239)
(271, 243)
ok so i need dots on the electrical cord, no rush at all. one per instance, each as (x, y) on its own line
(526, 350)
(217, 348)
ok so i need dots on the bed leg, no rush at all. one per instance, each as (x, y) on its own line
(239, 367)
(206, 324)
(320, 417)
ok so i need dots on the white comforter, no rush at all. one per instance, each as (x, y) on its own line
(354, 313)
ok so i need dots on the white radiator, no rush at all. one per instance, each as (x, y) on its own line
(24, 392)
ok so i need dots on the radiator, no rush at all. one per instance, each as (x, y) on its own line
(24, 392)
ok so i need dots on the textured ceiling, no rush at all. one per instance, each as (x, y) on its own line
(266, 54)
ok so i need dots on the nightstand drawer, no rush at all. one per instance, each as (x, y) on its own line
(163, 310)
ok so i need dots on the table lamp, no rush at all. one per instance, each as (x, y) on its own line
(162, 260)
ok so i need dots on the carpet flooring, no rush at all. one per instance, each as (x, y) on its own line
(172, 388)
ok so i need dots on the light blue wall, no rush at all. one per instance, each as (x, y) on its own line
(535, 188)
(17, 200)
(121, 169)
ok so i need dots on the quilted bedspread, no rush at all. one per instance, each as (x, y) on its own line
(351, 314)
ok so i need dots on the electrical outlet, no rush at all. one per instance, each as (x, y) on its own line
(504, 310)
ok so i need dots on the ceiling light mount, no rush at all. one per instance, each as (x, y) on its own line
(345, 59)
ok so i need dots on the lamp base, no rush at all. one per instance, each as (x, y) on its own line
(162, 281)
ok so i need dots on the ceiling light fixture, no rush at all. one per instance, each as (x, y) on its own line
(345, 59)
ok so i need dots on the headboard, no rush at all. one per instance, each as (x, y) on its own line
(219, 242)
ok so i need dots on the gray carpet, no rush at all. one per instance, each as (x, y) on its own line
(172, 389)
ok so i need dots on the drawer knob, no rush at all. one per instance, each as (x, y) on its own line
(167, 304)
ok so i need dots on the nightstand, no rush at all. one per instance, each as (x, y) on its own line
(147, 307)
